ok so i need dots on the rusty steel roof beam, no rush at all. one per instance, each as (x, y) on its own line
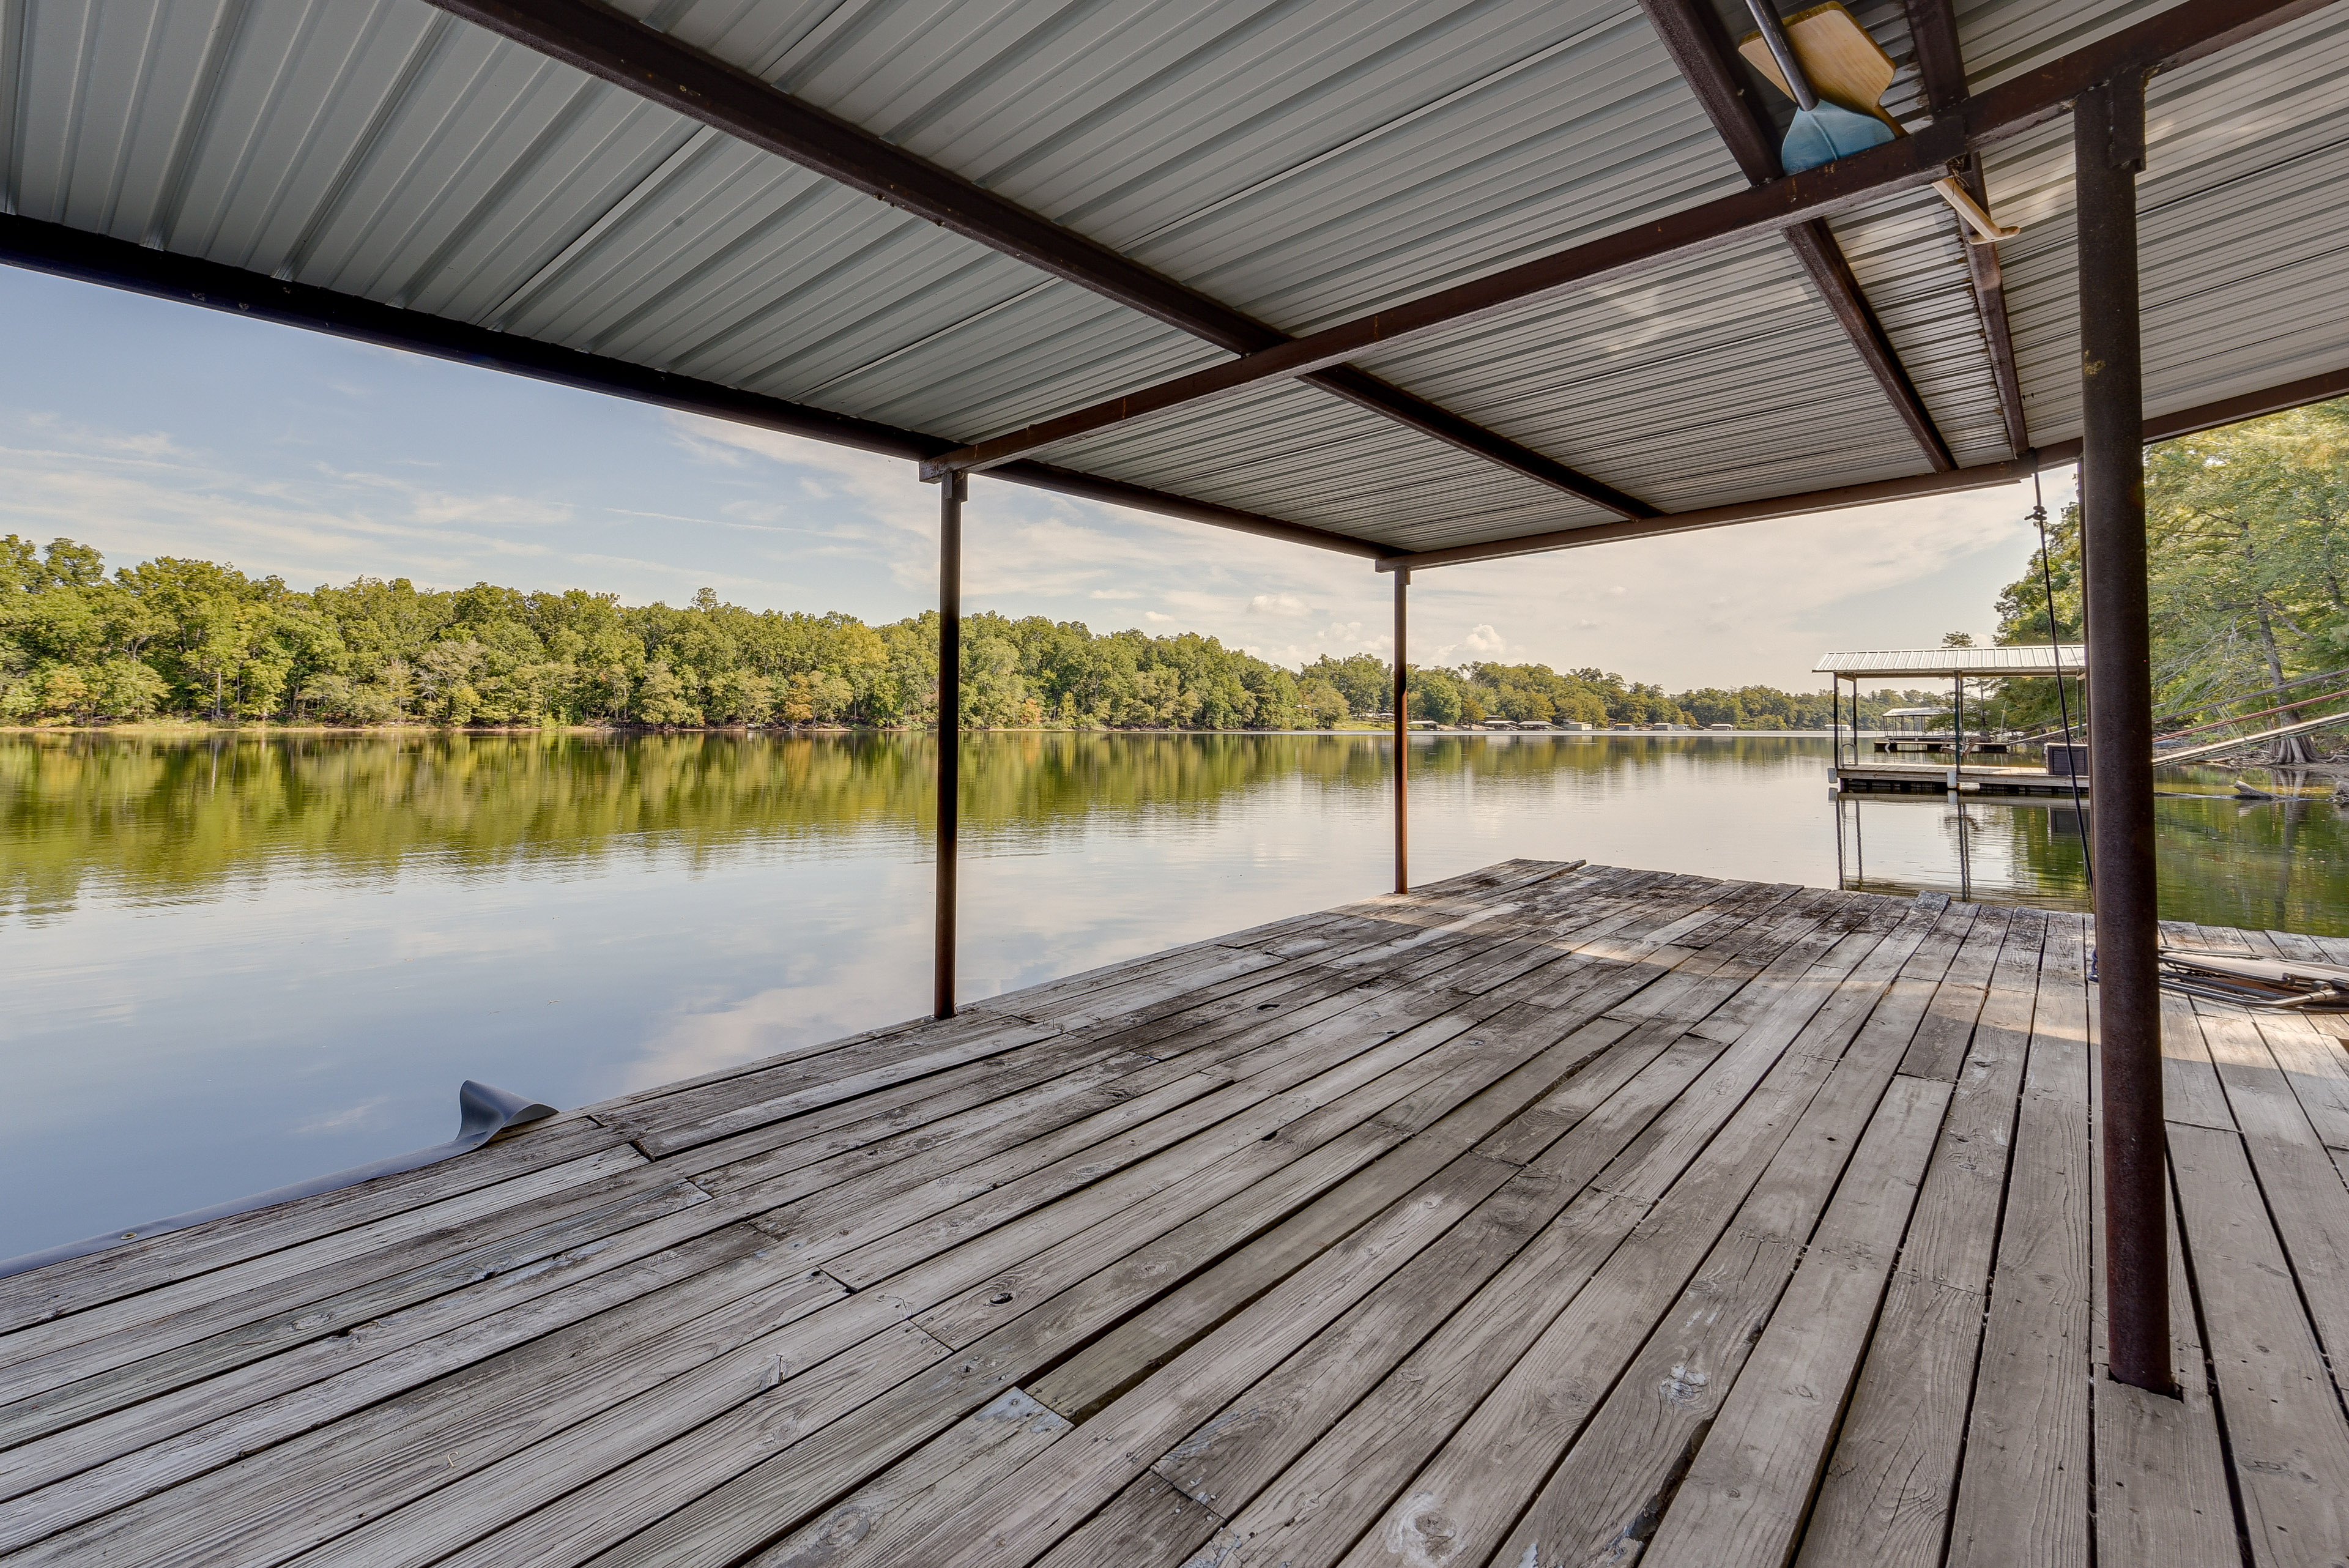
(1933, 30)
(1693, 34)
(2184, 33)
(63, 252)
(611, 46)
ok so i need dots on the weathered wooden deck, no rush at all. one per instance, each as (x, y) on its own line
(1549, 1216)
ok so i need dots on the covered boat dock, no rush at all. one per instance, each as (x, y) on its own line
(1938, 765)
(1552, 1215)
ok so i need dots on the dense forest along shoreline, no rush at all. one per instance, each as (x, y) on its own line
(199, 639)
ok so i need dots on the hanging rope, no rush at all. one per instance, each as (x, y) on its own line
(2063, 708)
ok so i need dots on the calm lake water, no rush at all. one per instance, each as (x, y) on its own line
(236, 963)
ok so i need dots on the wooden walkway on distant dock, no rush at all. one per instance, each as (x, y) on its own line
(1553, 1215)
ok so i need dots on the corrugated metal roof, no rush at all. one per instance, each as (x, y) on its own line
(1304, 160)
(2071, 659)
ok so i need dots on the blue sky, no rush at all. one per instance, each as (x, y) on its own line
(147, 428)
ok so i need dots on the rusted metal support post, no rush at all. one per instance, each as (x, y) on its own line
(951, 493)
(1402, 740)
(2108, 149)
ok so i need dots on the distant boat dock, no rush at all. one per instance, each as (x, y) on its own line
(1925, 750)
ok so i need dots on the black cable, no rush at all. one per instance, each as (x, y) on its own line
(2063, 708)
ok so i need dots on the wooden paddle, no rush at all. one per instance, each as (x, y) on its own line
(1848, 67)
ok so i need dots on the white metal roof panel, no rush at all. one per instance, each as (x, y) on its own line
(2243, 236)
(2069, 659)
(1301, 160)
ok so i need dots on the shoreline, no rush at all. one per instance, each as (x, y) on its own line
(264, 729)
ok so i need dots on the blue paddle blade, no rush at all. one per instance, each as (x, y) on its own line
(1824, 134)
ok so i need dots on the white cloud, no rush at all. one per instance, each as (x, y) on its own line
(1112, 594)
(1152, 616)
(1756, 602)
(1279, 603)
(1481, 643)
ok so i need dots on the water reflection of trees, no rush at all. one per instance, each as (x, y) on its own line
(159, 816)
(2280, 865)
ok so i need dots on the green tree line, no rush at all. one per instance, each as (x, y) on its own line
(201, 640)
(2246, 567)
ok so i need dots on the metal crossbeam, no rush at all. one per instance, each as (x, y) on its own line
(1941, 66)
(610, 45)
(2184, 33)
(1693, 34)
(78, 253)
(1981, 476)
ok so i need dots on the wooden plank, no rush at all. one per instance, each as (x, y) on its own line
(1466, 1356)
(811, 1463)
(740, 1083)
(1964, 991)
(1647, 976)
(1629, 966)
(982, 1305)
(2285, 1426)
(81, 1283)
(1138, 1347)
(2162, 1497)
(748, 1391)
(1751, 1483)
(119, 1458)
(2022, 1497)
(705, 1457)
(1891, 1477)
(661, 1128)
(1058, 1484)
(289, 1273)
(1403, 1103)
(1153, 1523)
(1088, 1070)
(272, 1504)
(1157, 1299)
(2316, 1063)
(1408, 1009)
(1236, 1012)
(79, 1380)
(1103, 1180)
(1315, 1503)
(1617, 1474)
(889, 1515)
(1782, 1006)
(149, 1388)
(2190, 1091)
(2301, 1187)
(1234, 1456)
(1005, 1187)
(1530, 949)
(2209, 938)
(1477, 1484)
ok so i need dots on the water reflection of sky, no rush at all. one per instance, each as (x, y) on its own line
(231, 971)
